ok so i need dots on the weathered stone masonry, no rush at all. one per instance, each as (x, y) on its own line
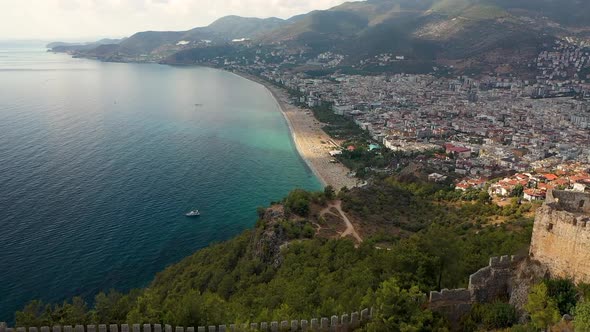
(560, 247)
(486, 285)
(342, 323)
(561, 235)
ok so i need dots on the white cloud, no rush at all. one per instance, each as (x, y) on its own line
(55, 19)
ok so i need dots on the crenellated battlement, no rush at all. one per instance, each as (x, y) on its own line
(503, 261)
(486, 285)
(459, 295)
(480, 278)
(342, 323)
(549, 218)
(486, 278)
(570, 201)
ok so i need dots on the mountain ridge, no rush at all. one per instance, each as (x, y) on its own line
(456, 32)
(222, 30)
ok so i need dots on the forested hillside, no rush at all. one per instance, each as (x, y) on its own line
(281, 270)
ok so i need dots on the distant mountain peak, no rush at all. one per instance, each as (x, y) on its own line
(236, 19)
(446, 31)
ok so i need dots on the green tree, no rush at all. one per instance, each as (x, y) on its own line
(112, 308)
(444, 247)
(582, 316)
(542, 308)
(194, 309)
(329, 192)
(186, 310)
(298, 202)
(584, 291)
(483, 197)
(147, 309)
(517, 191)
(77, 312)
(492, 316)
(399, 309)
(35, 313)
(499, 315)
(564, 292)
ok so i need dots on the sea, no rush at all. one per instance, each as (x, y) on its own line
(99, 162)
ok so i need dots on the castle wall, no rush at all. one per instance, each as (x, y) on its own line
(560, 246)
(571, 201)
(561, 237)
(493, 281)
(342, 323)
(488, 284)
(451, 303)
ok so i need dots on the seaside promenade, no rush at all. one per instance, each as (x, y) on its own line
(313, 144)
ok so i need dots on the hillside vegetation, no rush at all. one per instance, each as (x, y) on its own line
(280, 270)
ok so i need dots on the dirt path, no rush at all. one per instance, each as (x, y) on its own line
(349, 227)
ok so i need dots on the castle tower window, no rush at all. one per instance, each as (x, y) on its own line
(581, 204)
(549, 227)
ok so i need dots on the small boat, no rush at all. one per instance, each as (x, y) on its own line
(194, 213)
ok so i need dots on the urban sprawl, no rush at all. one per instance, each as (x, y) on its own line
(498, 132)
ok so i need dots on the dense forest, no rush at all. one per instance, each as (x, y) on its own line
(425, 237)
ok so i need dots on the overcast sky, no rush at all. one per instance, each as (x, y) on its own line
(81, 19)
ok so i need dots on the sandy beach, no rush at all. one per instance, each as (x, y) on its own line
(312, 143)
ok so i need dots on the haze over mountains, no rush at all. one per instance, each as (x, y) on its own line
(452, 32)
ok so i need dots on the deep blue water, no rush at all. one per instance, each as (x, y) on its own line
(99, 161)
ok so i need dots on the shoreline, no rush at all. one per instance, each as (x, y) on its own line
(294, 139)
(311, 141)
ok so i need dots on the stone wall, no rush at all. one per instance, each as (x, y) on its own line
(488, 284)
(493, 281)
(561, 235)
(571, 201)
(451, 303)
(560, 247)
(342, 323)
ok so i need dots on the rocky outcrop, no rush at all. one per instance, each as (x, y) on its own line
(270, 236)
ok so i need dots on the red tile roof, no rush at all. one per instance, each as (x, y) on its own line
(550, 176)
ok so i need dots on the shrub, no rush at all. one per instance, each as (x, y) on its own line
(563, 291)
(582, 314)
(542, 308)
(496, 315)
(499, 315)
(298, 202)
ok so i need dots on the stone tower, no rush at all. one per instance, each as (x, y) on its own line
(561, 235)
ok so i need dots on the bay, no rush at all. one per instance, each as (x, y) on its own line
(99, 162)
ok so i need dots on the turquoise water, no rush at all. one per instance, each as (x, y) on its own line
(99, 161)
